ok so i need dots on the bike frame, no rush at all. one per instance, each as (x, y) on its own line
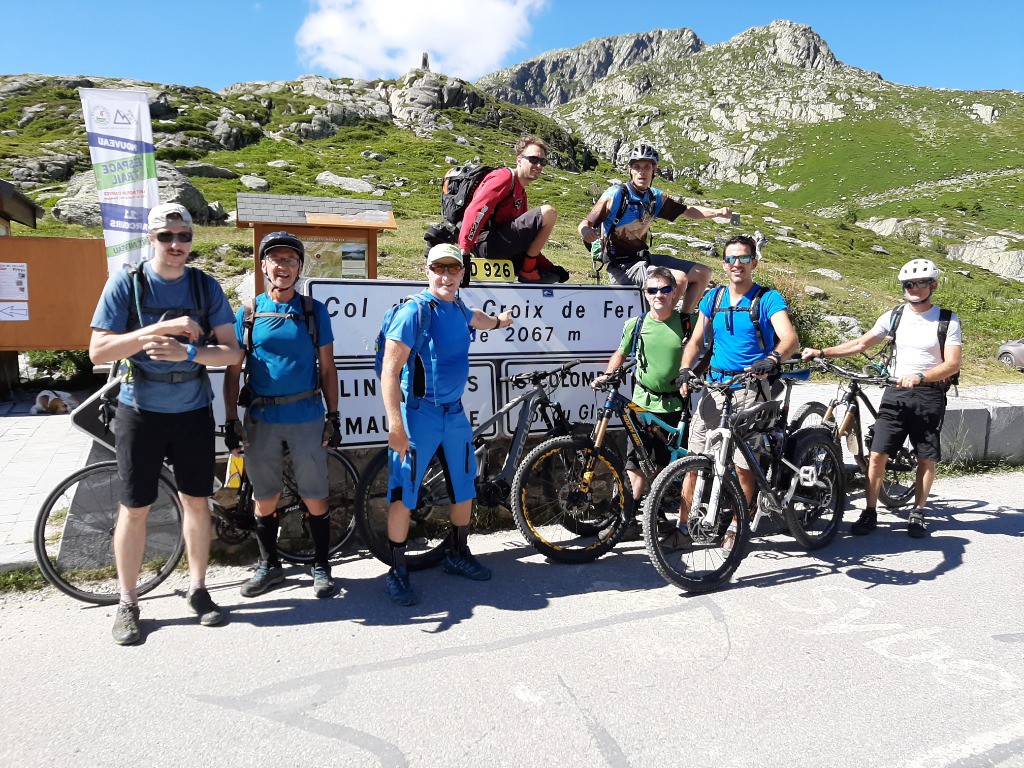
(719, 445)
(634, 418)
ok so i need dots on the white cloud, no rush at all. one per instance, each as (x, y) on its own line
(385, 38)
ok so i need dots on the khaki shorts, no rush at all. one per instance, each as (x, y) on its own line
(709, 413)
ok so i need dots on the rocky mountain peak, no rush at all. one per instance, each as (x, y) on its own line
(786, 42)
(555, 77)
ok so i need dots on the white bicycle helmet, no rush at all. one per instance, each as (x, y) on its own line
(644, 152)
(919, 269)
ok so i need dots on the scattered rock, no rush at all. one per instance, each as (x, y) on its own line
(814, 293)
(279, 164)
(328, 179)
(207, 171)
(770, 205)
(880, 249)
(831, 274)
(255, 183)
(372, 155)
(847, 326)
(450, 160)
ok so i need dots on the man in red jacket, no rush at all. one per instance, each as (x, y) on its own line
(497, 224)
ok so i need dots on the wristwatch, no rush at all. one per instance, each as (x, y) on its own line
(190, 352)
(921, 377)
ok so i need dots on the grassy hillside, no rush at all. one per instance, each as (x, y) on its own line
(897, 159)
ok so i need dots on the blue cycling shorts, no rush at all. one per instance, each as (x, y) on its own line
(443, 430)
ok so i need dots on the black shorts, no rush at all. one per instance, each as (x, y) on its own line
(510, 240)
(916, 413)
(146, 438)
(654, 442)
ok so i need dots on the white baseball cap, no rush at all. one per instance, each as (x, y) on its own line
(158, 215)
(444, 251)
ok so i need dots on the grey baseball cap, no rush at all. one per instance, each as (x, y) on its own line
(158, 215)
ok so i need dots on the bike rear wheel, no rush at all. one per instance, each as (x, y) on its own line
(898, 483)
(816, 511)
(699, 559)
(564, 517)
(294, 542)
(429, 523)
(74, 535)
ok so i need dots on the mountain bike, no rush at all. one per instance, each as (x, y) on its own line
(74, 531)
(571, 498)
(898, 483)
(430, 526)
(799, 479)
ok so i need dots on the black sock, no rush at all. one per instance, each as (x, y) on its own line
(320, 531)
(397, 553)
(460, 539)
(266, 537)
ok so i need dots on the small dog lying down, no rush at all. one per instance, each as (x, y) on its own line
(52, 402)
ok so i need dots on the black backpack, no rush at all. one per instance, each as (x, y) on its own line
(201, 308)
(457, 190)
(246, 397)
(197, 294)
(754, 310)
(637, 349)
(888, 353)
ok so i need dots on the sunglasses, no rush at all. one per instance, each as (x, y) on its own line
(170, 237)
(665, 289)
(909, 284)
(446, 269)
(744, 259)
(535, 160)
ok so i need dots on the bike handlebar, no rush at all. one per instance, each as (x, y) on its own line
(536, 377)
(743, 377)
(860, 377)
(616, 377)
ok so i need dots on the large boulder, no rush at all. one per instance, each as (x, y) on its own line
(46, 168)
(82, 206)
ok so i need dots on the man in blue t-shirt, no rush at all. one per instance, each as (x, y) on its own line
(289, 350)
(736, 345)
(621, 219)
(425, 414)
(167, 322)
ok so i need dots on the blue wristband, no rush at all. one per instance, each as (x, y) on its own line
(190, 351)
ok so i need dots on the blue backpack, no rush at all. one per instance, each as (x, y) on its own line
(424, 311)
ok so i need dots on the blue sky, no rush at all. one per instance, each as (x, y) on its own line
(214, 43)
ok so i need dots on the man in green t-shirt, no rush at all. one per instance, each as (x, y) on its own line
(658, 351)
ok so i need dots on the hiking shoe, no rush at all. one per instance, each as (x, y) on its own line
(533, 276)
(398, 587)
(466, 565)
(676, 539)
(866, 523)
(917, 528)
(263, 579)
(202, 605)
(323, 584)
(126, 625)
(634, 531)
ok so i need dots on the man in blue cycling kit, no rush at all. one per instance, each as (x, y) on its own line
(622, 220)
(425, 413)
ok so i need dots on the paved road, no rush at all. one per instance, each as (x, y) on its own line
(879, 651)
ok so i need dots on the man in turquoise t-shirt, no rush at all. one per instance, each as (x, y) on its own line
(659, 350)
(290, 364)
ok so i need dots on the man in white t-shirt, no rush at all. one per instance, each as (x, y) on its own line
(917, 404)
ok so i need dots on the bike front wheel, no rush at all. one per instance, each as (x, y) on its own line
(564, 514)
(294, 542)
(429, 523)
(74, 535)
(688, 541)
(815, 512)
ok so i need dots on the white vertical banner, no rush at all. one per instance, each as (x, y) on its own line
(124, 161)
